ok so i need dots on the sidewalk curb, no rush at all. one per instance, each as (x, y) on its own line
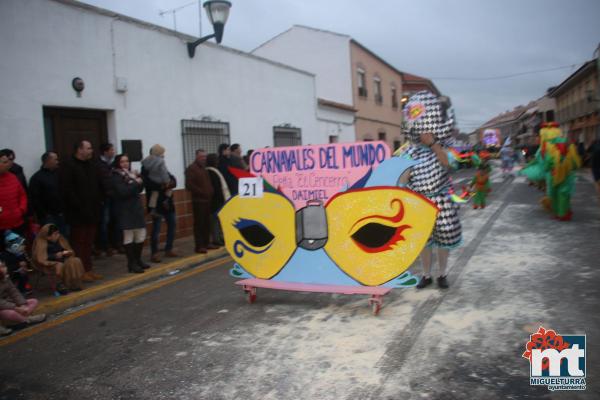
(57, 305)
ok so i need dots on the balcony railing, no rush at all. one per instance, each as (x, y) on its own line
(576, 110)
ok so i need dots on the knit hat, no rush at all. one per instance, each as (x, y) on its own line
(425, 112)
(14, 243)
(157, 150)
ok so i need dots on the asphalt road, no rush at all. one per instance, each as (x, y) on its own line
(198, 338)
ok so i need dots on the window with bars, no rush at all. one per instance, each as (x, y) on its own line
(382, 136)
(286, 136)
(394, 97)
(207, 135)
(378, 96)
(362, 83)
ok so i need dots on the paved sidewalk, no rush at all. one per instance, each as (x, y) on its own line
(116, 277)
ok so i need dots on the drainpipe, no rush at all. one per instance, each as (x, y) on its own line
(597, 56)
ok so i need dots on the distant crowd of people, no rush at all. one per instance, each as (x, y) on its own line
(71, 210)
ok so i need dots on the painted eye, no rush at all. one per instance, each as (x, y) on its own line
(374, 235)
(259, 233)
(375, 238)
(254, 232)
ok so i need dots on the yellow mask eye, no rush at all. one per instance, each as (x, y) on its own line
(375, 234)
(259, 233)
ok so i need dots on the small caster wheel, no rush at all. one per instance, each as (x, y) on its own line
(376, 307)
(251, 296)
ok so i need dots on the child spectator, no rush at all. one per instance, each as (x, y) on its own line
(16, 261)
(157, 177)
(53, 255)
(13, 306)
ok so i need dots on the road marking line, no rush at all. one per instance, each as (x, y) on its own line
(54, 305)
(107, 303)
(396, 354)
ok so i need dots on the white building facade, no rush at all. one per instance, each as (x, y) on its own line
(327, 55)
(140, 85)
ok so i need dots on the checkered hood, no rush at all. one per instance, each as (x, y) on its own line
(423, 113)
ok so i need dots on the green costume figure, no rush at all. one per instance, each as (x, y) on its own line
(554, 164)
(481, 184)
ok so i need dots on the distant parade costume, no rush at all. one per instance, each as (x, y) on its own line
(507, 156)
(481, 185)
(426, 113)
(554, 164)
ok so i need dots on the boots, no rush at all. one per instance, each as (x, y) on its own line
(138, 256)
(130, 252)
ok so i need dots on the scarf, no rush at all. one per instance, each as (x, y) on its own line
(224, 187)
(128, 176)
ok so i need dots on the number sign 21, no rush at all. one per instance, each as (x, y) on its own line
(250, 187)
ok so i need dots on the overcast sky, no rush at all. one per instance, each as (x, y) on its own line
(437, 39)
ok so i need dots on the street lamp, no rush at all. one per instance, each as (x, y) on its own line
(217, 11)
(404, 99)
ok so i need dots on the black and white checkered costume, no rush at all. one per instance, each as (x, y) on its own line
(429, 177)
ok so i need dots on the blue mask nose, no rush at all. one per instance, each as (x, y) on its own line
(306, 266)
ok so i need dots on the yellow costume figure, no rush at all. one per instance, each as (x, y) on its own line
(554, 164)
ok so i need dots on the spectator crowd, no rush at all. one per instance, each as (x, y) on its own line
(72, 210)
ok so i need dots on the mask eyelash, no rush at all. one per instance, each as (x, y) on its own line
(255, 233)
(245, 223)
(394, 219)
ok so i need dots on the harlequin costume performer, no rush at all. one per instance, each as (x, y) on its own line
(481, 184)
(429, 129)
(554, 164)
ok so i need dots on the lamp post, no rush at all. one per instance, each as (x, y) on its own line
(404, 99)
(217, 11)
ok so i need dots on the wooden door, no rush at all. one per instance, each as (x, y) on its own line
(68, 126)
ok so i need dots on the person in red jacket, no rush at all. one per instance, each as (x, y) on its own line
(13, 200)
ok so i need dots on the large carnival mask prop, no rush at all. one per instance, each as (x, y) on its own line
(368, 234)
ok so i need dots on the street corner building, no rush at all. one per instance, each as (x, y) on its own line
(71, 71)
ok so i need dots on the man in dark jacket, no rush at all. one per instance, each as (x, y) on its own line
(107, 229)
(81, 190)
(224, 164)
(197, 181)
(44, 193)
(237, 161)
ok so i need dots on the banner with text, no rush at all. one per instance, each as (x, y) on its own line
(316, 172)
